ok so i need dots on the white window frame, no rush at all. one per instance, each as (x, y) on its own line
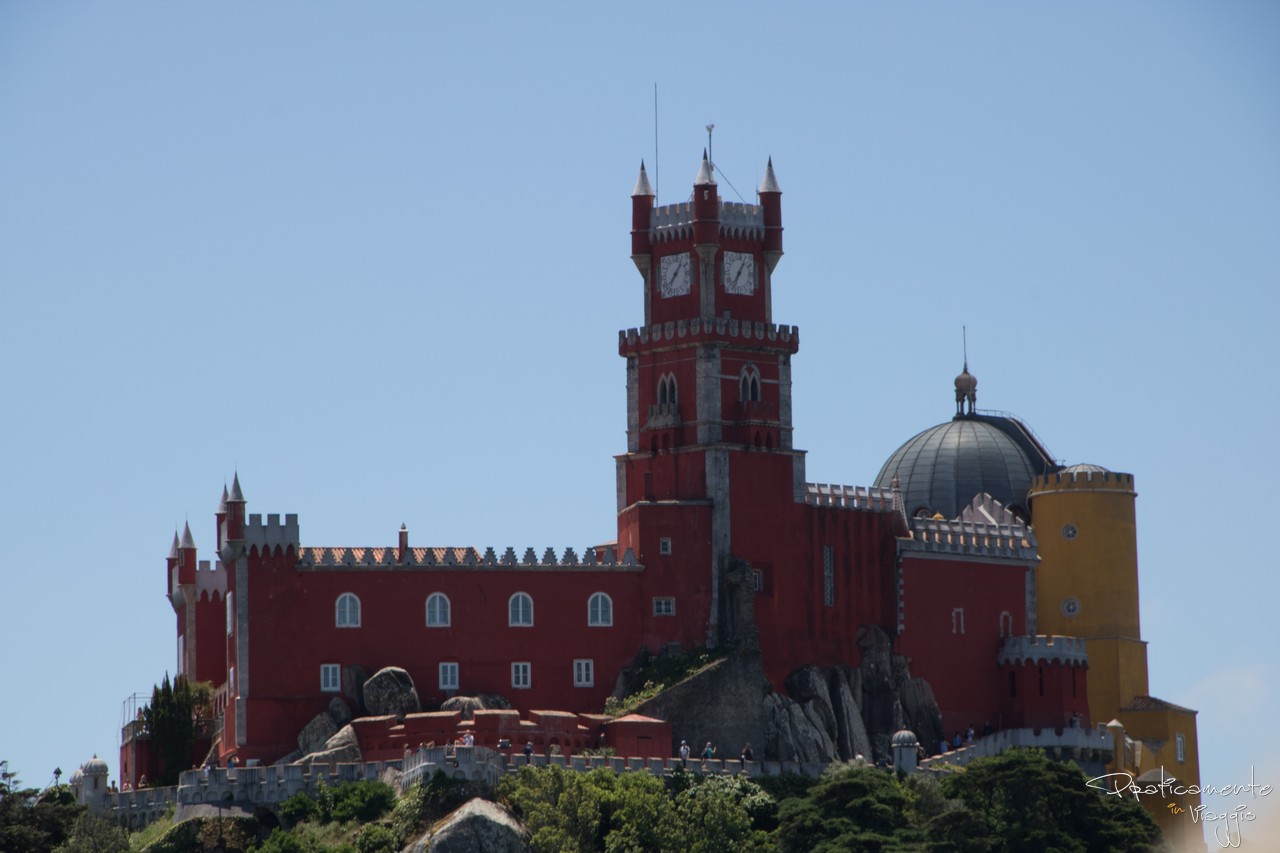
(448, 672)
(330, 678)
(664, 605)
(757, 580)
(957, 620)
(231, 612)
(521, 675)
(600, 610)
(584, 672)
(447, 612)
(344, 620)
(515, 619)
(182, 655)
(1180, 747)
(233, 688)
(664, 546)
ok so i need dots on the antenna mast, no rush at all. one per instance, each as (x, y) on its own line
(964, 330)
(711, 154)
(657, 176)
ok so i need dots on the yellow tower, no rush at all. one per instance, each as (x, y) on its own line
(1087, 586)
(1087, 581)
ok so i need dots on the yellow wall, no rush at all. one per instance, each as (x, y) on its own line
(1099, 566)
(1117, 673)
(1172, 812)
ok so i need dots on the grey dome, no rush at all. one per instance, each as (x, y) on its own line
(944, 468)
(1085, 468)
(905, 737)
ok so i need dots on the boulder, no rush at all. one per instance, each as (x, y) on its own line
(468, 705)
(342, 748)
(339, 712)
(316, 732)
(494, 702)
(390, 692)
(808, 686)
(477, 826)
(851, 732)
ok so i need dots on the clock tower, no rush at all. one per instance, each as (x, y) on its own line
(708, 381)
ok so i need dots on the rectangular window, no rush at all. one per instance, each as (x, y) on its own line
(231, 613)
(330, 677)
(957, 620)
(448, 676)
(1180, 744)
(664, 546)
(231, 683)
(664, 606)
(757, 580)
(182, 655)
(584, 673)
(520, 676)
(828, 576)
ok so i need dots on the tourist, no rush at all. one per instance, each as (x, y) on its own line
(746, 754)
(969, 735)
(528, 752)
(468, 739)
(684, 753)
(955, 740)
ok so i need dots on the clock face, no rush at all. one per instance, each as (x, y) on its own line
(674, 276)
(739, 273)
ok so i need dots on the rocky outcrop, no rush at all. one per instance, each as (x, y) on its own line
(343, 747)
(339, 712)
(390, 692)
(723, 704)
(315, 733)
(832, 713)
(477, 826)
(468, 705)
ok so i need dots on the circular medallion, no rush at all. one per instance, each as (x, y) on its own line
(1070, 606)
(1070, 531)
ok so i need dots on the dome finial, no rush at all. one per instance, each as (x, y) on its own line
(966, 382)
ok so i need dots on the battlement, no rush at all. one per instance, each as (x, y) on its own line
(970, 539)
(273, 533)
(1085, 480)
(211, 580)
(675, 221)
(1068, 651)
(849, 497)
(706, 329)
(320, 558)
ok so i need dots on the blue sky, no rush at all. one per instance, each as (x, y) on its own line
(375, 257)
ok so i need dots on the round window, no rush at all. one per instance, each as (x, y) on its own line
(1070, 531)
(1070, 606)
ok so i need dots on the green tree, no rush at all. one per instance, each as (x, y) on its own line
(560, 808)
(850, 809)
(31, 819)
(95, 834)
(713, 817)
(1021, 802)
(170, 719)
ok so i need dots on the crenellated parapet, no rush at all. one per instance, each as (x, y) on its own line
(1039, 648)
(960, 538)
(675, 221)
(211, 581)
(272, 534)
(708, 330)
(849, 497)
(1083, 478)
(389, 558)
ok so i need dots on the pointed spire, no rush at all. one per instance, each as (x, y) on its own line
(704, 172)
(222, 504)
(642, 184)
(187, 540)
(173, 549)
(769, 184)
(236, 494)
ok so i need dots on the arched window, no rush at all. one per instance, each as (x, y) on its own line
(600, 610)
(666, 389)
(348, 611)
(749, 385)
(520, 610)
(438, 610)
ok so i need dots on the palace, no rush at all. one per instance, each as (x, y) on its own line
(1008, 580)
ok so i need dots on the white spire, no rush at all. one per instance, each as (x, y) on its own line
(704, 172)
(173, 549)
(769, 184)
(187, 540)
(236, 494)
(642, 184)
